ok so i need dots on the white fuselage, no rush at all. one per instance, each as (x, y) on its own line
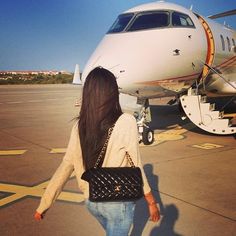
(166, 61)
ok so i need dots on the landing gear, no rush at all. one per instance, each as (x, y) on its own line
(146, 134)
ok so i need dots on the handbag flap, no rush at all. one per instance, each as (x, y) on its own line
(114, 175)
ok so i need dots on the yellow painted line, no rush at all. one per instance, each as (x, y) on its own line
(207, 146)
(10, 199)
(23, 191)
(170, 135)
(11, 152)
(58, 150)
(20, 192)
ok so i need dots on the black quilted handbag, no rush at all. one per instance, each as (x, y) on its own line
(114, 183)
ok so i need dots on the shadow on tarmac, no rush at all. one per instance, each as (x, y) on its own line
(165, 116)
(169, 213)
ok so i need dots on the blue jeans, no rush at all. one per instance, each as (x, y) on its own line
(115, 217)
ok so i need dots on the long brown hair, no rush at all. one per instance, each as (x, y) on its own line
(100, 109)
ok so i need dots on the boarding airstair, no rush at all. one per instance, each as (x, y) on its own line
(204, 115)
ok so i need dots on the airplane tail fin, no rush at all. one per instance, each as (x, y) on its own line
(76, 78)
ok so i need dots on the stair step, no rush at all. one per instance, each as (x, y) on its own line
(212, 106)
(204, 115)
(220, 123)
(205, 108)
(221, 114)
(192, 92)
(210, 118)
(214, 115)
(203, 99)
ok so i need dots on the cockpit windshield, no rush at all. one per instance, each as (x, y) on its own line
(150, 20)
(121, 22)
(146, 20)
(181, 20)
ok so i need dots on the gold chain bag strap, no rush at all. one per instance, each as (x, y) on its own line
(113, 183)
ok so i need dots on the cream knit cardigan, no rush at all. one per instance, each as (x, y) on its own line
(123, 138)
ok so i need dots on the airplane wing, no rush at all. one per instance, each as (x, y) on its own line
(223, 14)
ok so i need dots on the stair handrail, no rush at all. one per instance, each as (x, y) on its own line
(222, 77)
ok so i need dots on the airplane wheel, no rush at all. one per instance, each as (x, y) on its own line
(148, 136)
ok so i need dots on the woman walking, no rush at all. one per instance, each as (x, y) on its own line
(100, 111)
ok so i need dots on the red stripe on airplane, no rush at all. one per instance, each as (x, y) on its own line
(227, 62)
(185, 77)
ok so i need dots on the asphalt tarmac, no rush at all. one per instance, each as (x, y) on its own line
(192, 173)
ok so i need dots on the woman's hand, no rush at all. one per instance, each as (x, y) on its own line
(154, 212)
(152, 207)
(38, 216)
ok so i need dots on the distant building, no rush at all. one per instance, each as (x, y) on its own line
(33, 72)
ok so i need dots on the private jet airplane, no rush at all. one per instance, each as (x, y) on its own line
(162, 49)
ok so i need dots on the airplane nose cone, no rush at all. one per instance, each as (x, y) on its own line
(105, 62)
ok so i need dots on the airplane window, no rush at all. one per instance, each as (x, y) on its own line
(182, 20)
(120, 23)
(150, 20)
(229, 46)
(222, 42)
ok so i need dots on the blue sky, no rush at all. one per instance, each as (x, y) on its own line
(57, 34)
